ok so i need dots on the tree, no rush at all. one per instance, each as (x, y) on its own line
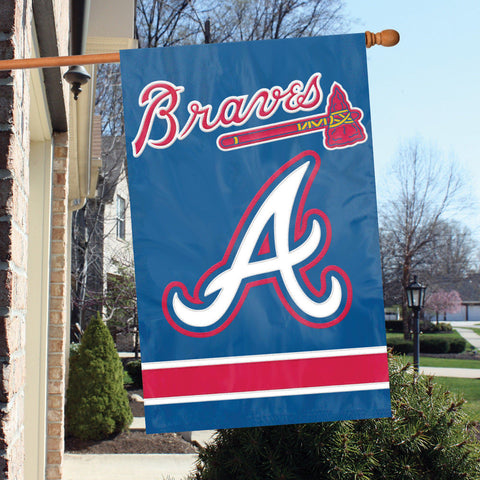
(448, 262)
(237, 20)
(90, 229)
(163, 23)
(97, 403)
(450, 258)
(442, 301)
(120, 301)
(425, 189)
(427, 437)
(87, 264)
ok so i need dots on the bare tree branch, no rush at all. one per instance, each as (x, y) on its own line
(425, 189)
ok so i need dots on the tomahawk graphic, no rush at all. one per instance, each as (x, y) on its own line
(341, 124)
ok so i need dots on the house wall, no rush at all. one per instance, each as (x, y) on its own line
(115, 247)
(36, 153)
(53, 358)
(38, 273)
(121, 27)
(15, 15)
(33, 255)
(58, 314)
(461, 316)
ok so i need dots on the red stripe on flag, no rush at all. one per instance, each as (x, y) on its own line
(270, 375)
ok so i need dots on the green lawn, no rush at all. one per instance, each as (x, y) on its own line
(467, 388)
(476, 330)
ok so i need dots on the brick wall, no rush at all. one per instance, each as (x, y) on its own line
(14, 145)
(57, 334)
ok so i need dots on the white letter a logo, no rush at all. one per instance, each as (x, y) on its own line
(221, 291)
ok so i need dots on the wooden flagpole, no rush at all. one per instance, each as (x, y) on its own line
(48, 62)
(387, 38)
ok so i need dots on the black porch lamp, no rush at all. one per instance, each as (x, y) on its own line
(416, 300)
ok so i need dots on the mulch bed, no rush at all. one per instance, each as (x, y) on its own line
(136, 407)
(134, 441)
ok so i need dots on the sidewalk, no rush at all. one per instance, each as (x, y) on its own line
(128, 466)
(468, 334)
(132, 466)
(450, 372)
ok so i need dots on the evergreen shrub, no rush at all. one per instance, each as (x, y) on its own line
(74, 348)
(429, 343)
(429, 437)
(457, 345)
(400, 345)
(394, 326)
(97, 403)
(134, 369)
(127, 379)
(434, 344)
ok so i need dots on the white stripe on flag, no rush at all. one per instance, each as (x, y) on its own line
(267, 393)
(270, 357)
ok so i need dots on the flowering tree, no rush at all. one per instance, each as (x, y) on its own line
(443, 301)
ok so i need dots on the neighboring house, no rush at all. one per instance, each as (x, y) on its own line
(469, 290)
(46, 173)
(117, 228)
(117, 245)
(102, 249)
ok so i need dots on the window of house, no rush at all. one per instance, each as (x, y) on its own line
(120, 217)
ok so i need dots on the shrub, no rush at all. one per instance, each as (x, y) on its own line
(442, 343)
(434, 344)
(442, 327)
(395, 326)
(127, 379)
(428, 437)
(399, 345)
(97, 404)
(429, 343)
(430, 327)
(74, 348)
(134, 369)
(457, 345)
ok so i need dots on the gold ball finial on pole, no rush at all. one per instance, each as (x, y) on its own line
(387, 38)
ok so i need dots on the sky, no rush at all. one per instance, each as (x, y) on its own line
(427, 86)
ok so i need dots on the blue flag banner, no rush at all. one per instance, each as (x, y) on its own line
(255, 233)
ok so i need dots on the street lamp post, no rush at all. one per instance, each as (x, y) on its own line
(416, 300)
